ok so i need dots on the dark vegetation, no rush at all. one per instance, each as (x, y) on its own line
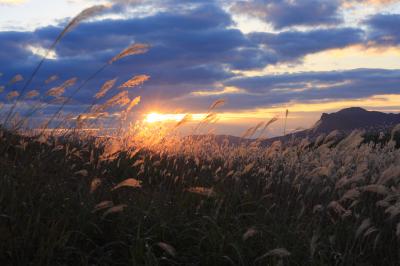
(286, 205)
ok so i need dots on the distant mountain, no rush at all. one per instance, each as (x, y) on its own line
(343, 121)
(355, 118)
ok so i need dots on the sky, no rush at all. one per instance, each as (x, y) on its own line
(261, 56)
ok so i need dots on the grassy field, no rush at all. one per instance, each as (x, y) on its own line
(76, 199)
(75, 202)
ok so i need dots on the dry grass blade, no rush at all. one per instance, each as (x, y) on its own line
(133, 103)
(32, 94)
(207, 120)
(392, 173)
(395, 130)
(248, 168)
(135, 81)
(366, 223)
(137, 48)
(121, 99)
(370, 231)
(130, 182)
(271, 121)
(247, 132)
(69, 82)
(105, 88)
(55, 92)
(286, 117)
(210, 117)
(314, 244)
(103, 205)
(277, 252)
(11, 95)
(96, 182)
(378, 189)
(351, 194)
(82, 172)
(184, 120)
(216, 104)
(337, 207)
(59, 90)
(84, 15)
(170, 250)
(115, 209)
(51, 79)
(93, 116)
(251, 131)
(16, 78)
(209, 192)
(249, 233)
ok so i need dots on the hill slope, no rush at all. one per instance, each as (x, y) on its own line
(345, 121)
(355, 118)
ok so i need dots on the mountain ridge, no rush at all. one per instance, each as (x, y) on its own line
(343, 121)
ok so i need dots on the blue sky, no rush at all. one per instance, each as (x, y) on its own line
(262, 57)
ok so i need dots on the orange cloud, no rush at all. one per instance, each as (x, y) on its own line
(349, 3)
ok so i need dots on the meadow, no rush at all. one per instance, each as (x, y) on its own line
(76, 202)
(143, 196)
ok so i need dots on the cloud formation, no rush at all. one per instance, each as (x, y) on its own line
(198, 48)
(287, 13)
(384, 29)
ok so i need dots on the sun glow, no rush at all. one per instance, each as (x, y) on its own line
(155, 117)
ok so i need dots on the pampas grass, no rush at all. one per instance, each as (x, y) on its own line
(12, 94)
(15, 79)
(85, 14)
(132, 104)
(135, 81)
(204, 200)
(51, 79)
(32, 94)
(134, 49)
(108, 85)
(130, 182)
(216, 104)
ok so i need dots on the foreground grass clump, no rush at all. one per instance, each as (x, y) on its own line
(73, 202)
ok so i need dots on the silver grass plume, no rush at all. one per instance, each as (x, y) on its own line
(134, 49)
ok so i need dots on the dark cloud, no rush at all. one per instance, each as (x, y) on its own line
(187, 49)
(196, 49)
(287, 13)
(294, 44)
(384, 29)
(275, 90)
(333, 85)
